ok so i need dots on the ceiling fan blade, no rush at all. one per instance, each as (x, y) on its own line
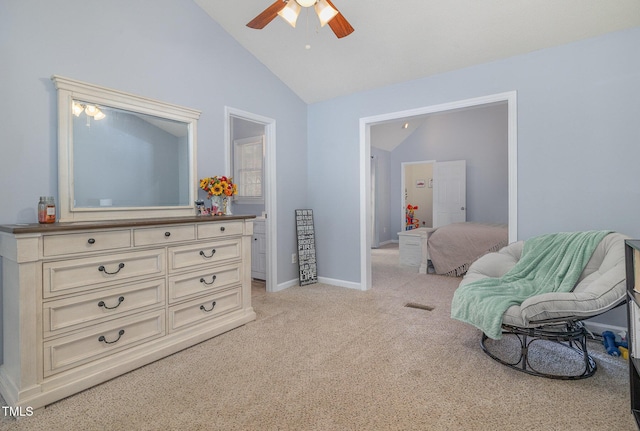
(267, 15)
(339, 24)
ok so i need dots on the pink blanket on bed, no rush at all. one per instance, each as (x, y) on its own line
(453, 248)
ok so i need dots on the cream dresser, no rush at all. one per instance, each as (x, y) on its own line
(85, 302)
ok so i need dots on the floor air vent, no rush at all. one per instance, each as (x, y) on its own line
(419, 306)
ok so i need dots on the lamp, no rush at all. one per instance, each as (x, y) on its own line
(91, 110)
(77, 108)
(325, 12)
(290, 12)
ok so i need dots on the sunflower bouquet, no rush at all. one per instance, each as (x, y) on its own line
(218, 186)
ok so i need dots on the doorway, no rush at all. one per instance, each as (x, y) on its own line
(365, 153)
(254, 124)
(417, 193)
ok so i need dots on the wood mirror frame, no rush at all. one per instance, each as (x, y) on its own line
(135, 109)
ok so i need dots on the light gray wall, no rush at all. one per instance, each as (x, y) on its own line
(173, 52)
(477, 135)
(383, 195)
(578, 141)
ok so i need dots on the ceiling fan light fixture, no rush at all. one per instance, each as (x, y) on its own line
(325, 12)
(290, 12)
(91, 110)
(77, 108)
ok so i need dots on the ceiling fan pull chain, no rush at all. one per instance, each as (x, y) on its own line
(307, 45)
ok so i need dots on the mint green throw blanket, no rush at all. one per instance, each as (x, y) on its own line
(549, 263)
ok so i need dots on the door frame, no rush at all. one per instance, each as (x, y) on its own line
(365, 153)
(270, 201)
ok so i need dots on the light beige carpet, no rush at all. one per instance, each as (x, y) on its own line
(328, 358)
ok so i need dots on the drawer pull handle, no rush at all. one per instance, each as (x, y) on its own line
(167, 234)
(102, 304)
(104, 340)
(91, 241)
(222, 229)
(213, 304)
(101, 268)
(213, 278)
(203, 254)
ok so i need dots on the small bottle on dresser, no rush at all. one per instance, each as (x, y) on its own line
(46, 210)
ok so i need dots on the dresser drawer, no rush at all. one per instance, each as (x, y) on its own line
(68, 276)
(204, 253)
(203, 281)
(411, 241)
(219, 229)
(71, 313)
(203, 309)
(101, 340)
(57, 245)
(163, 235)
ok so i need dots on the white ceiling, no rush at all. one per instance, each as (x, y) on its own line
(387, 135)
(390, 134)
(396, 41)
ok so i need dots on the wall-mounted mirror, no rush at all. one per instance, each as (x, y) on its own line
(122, 156)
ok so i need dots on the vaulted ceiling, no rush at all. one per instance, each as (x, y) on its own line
(396, 41)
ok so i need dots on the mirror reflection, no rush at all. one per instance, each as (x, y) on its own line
(128, 159)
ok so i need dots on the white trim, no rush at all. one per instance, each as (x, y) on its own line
(365, 153)
(365, 202)
(339, 283)
(270, 198)
(323, 280)
(599, 328)
(286, 285)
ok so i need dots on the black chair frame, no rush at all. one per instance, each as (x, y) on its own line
(569, 334)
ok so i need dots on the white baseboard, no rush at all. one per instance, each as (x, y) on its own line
(599, 328)
(325, 280)
(340, 283)
(286, 285)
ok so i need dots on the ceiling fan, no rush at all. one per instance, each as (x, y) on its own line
(290, 9)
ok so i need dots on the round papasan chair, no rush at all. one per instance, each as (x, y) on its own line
(547, 331)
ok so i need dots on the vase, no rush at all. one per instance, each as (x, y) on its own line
(217, 205)
(227, 206)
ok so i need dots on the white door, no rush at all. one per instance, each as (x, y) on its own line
(449, 192)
